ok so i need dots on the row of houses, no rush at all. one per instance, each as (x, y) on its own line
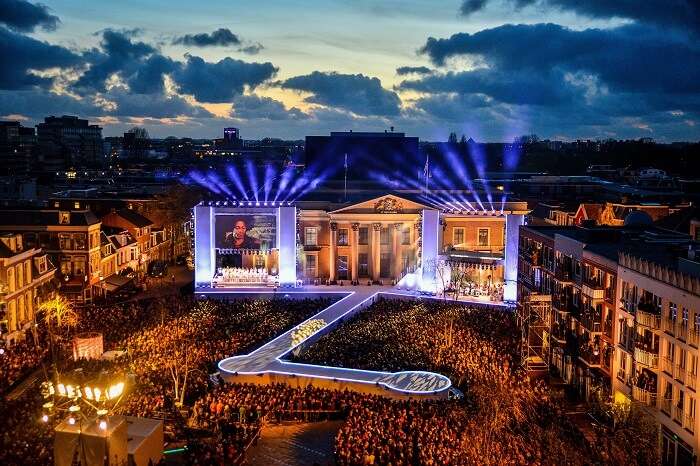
(73, 252)
(614, 312)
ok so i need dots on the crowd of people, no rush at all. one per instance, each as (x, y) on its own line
(505, 418)
(18, 360)
(152, 337)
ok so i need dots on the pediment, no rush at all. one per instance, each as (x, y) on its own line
(387, 204)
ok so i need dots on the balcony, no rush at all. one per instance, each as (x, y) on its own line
(593, 287)
(563, 275)
(679, 374)
(533, 256)
(591, 321)
(678, 414)
(667, 366)
(665, 406)
(609, 294)
(693, 338)
(652, 321)
(691, 381)
(643, 396)
(559, 332)
(608, 327)
(627, 306)
(689, 423)
(589, 355)
(646, 358)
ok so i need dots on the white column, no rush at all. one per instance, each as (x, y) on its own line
(429, 248)
(353, 251)
(332, 251)
(376, 250)
(204, 252)
(510, 269)
(396, 249)
(287, 244)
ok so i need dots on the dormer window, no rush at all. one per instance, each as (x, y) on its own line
(63, 217)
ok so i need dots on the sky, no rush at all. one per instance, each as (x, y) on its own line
(490, 69)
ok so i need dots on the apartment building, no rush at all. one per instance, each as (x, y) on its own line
(658, 342)
(26, 281)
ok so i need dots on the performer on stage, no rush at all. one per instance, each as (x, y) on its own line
(238, 239)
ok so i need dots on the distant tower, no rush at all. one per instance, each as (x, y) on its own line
(231, 136)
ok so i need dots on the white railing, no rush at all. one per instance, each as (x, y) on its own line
(646, 358)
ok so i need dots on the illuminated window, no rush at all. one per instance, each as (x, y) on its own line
(311, 265)
(406, 236)
(483, 237)
(310, 236)
(343, 237)
(458, 236)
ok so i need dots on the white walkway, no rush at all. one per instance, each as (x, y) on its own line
(269, 358)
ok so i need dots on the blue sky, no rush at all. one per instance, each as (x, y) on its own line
(492, 69)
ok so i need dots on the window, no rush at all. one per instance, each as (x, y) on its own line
(385, 265)
(79, 239)
(343, 237)
(76, 205)
(385, 236)
(363, 236)
(342, 267)
(672, 311)
(458, 236)
(362, 264)
(310, 236)
(483, 238)
(311, 265)
(64, 241)
(11, 279)
(406, 236)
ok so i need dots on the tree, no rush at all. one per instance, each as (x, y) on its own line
(452, 139)
(58, 315)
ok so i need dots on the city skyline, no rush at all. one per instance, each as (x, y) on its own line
(490, 70)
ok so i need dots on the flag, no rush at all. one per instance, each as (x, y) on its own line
(346, 162)
(426, 169)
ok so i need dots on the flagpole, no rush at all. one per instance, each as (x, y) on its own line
(345, 187)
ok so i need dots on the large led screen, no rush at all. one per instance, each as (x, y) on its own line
(246, 231)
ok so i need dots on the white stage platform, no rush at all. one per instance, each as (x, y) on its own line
(267, 364)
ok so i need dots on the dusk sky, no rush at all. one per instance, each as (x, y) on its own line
(491, 69)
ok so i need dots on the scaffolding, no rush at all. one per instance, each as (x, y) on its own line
(534, 319)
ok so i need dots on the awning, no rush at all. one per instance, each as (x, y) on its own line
(114, 282)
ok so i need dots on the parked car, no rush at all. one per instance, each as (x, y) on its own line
(158, 269)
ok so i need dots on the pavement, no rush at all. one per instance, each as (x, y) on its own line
(295, 445)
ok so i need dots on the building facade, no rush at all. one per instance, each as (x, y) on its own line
(26, 281)
(658, 343)
(69, 141)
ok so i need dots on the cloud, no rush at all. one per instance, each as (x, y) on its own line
(555, 80)
(129, 104)
(404, 70)
(256, 107)
(630, 57)
(684, 14)
(148, 77)
(38, 103)
(252, 49)
(360, 94)
(23, 16)
(221, 81)
(472, 6)
(118, 54)
(21, 55)
(222, 37)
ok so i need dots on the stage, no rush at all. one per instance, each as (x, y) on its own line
(268, 363)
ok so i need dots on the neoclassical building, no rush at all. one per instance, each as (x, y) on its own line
(392, 238)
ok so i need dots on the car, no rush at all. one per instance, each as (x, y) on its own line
(158, 268)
